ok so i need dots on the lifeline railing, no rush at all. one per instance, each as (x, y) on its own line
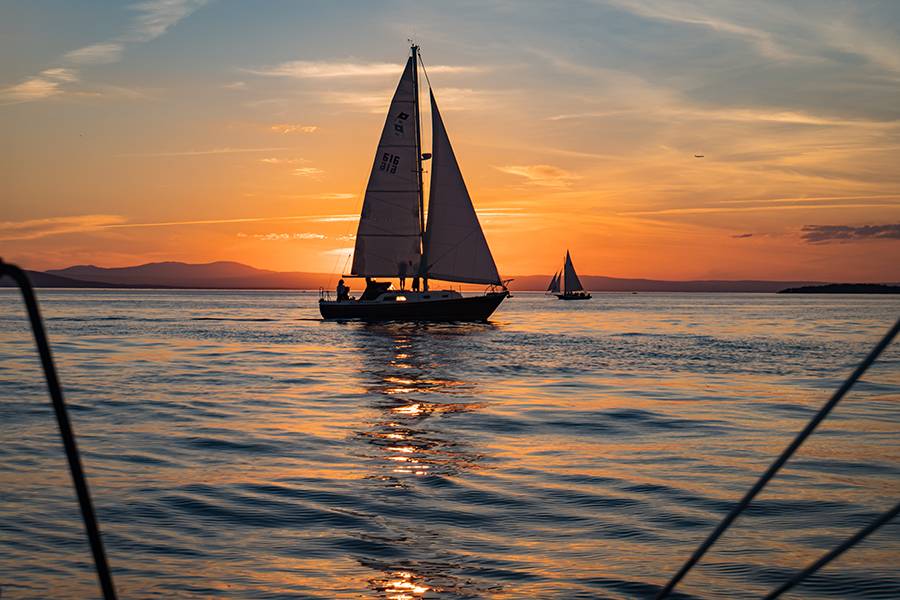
(65, 428)
(776, 466)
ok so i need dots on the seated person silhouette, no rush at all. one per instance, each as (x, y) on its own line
(343, 291)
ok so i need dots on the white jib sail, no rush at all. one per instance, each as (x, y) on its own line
(387, 240)
(571, 283)
(455, 246)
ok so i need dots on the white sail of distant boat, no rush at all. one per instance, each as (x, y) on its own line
(571, 283)
(388, 237)
(455, 247)
(393, 239)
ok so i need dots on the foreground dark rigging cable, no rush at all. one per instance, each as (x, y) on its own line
(779, 462)
(65, 428)
(835, 552)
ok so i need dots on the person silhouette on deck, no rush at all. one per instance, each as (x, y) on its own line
(343, 291)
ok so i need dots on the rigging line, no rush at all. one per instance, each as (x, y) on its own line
(834, 553)
(79, 480)
(424, 70)
(779, 462)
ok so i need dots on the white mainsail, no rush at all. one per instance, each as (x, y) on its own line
(388, 238)
(571, 283)
(455, 246)
(554, 284)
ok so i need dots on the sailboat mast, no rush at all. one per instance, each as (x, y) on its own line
(415, 75)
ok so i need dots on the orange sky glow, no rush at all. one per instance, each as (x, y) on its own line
(135, 140)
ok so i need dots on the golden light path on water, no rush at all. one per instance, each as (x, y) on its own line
(239, 447)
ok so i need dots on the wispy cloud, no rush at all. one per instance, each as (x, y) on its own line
(307, 69)
(308, 171)
(47, 83)
(693, 14)
(235, 85)
(742, 236)
(38, 228)
(823, 234)
(209, 151)
(153, 19)
(739, 115)
(271, 160)
(449, 99)
(345, 251)
(285, 128)
(546, 175)
(783, 32)
(336, 218)
(700, 210)
(283, 237)
(96, 54)
(372, 102)
(335, 196)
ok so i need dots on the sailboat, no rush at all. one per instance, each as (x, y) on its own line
(568, 279)
(394, 240)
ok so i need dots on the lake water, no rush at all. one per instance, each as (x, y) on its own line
(239, 447)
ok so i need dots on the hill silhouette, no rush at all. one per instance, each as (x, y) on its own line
(235, 275)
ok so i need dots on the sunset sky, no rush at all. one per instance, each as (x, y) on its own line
(197, 130)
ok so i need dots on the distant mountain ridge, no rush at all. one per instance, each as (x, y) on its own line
(599, 283)
(845, 288)
(235, 275)
(47, 280)
(215, 275)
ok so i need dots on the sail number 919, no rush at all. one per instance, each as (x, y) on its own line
(389, 162)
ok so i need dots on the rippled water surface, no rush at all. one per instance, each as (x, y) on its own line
(239, 447)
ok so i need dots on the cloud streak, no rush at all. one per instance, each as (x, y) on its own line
(544, 175)
(286, 128)
(688, 13)
(307, 69)
(96, 54)
(37, 228)
(210, 151)
(824, 234)
(47, 83)
(283, 237)
(153, 19)
(700, 210)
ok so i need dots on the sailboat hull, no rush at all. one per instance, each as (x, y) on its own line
(575, 296)
(472, 308)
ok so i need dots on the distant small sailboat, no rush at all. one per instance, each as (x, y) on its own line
(394, 239)
(567, 278)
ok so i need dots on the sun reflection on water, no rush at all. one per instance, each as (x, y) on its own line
(409, 440)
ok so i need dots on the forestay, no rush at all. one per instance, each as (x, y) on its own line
(388, 237)
(455, 247)
(571, 283)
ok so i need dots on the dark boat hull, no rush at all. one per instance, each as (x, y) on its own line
(473, 308)
(573, 296)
